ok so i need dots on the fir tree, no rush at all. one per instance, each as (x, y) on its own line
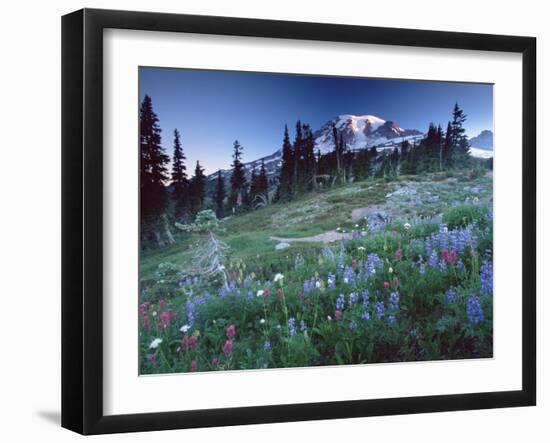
(263, 182)
(447, 146)
(298, 157)
(153, 170)
(361, 165)
(219, 196)
(254, 189)
(408, 161)
(460, 147)
(197, 188)
(286, 178)
(180, 183)
(309, 162)
(238, 195)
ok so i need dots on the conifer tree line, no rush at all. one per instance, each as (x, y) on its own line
(302, 170)
(172, 195)
(168, 196)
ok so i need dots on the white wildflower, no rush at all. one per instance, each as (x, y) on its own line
(185, 328)
(278, 277)
(361, 248)
(329, 318)
(155, 343)
(260, 293)
(390, 270)
(407, 226)
(262, 321)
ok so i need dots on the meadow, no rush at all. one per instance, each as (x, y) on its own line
(372, 271)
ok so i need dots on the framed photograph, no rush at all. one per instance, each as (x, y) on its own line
(269, 221)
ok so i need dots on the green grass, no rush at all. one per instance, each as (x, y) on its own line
(248, 234)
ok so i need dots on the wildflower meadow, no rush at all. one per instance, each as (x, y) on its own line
(408, 292)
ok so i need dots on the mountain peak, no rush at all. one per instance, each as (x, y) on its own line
(360, 131)
(484, 140)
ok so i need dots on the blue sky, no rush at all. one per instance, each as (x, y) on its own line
(213, 108)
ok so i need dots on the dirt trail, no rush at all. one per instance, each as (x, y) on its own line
(325, 237)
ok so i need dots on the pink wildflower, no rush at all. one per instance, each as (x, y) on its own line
(398, 254)
(230, 331)
(146, 323)
(338, 314)
(194, 365)
(193, 342)
(445, 255)
(267, 293)
(214, 361)
(395, 282)
(386, 285)
(185, 342)
(280, 294)
(228, 348)
(452, 257)
(165, 319)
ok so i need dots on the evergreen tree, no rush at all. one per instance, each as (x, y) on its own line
(263, 182)
(197, 189)
(298, 158)
(460, 147)
(180, 183)
(238, 195)
(339, 150)
(394, 161)
(408, 161)
(254, 188)
(447, 146)
(219, 196)
(361, 165)
(286, 178)
(310, 163)
(153, 170)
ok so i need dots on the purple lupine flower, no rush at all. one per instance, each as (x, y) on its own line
(292, 326)
(433, 261)
(365, 316)
(450, 295)
(349, 275)
(303, 326)
(353, 325)
(365, 295)
(394, 301)
(340, 302)
(250, 296)
(341, 259)
(331, 281)
(223, 292)
(190, 307)
(474, 310)
(267, 346)
(353, 297)
(391, 319)
(379, 309)
(486, 277)
(421, 266)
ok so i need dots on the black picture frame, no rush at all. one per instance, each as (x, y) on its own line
(82, 218)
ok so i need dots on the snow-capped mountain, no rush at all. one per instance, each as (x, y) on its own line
(358, 132)
(362, 131)
(482, 145)
(483, 141)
